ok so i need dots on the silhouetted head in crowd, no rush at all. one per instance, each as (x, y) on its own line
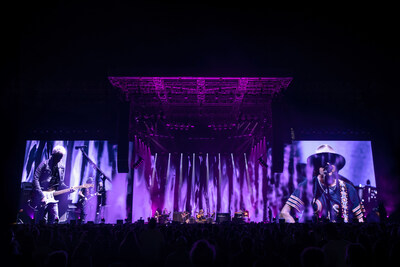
(355, 255)
(181, 241)
(331, 232)
(152, 223)
(202, 253)
(313, 257)
(246, 243)
(394, 253)
(57, 258)
(271, 260)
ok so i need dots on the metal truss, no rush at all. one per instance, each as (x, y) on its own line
(196, 90)
(200, 107)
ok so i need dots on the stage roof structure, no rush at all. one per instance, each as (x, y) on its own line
(200, 108)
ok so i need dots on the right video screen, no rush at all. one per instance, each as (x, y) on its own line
(358, 168)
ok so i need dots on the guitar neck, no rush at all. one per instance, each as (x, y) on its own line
(67, 190)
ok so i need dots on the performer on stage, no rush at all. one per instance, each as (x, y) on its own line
(165, 216)
(333, 196)
(185, 216)
(200, 216)
(165, 212)
(83, 196)
(101, 201)
(157, 215)
(49, 175)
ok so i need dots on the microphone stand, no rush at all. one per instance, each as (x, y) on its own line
(328, 204)
(102, 174)
(326, 174)
(99, 210)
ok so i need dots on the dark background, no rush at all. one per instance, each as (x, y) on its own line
(57, 56)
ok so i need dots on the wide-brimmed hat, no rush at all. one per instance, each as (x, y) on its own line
(325, 153)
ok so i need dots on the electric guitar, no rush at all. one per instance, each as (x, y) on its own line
(49, 195)
(85, 200)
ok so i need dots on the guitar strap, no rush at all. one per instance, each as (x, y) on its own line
(344, 200)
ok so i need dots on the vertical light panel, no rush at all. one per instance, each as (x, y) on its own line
(224, 184)
(236, 187)
(181, 191)
(153, 174)
(180, 172)
(169, 164)
(207, 194)
(249, 187)
(169, 187)
(219, 193)
(193, 184)
(248, 199)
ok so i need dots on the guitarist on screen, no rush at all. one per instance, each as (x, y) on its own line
(84, 195)
(49, 176)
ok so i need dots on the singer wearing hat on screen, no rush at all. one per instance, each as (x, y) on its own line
(333, 197)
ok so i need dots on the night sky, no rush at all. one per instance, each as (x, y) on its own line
(343, 60)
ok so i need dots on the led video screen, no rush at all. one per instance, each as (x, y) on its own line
(214, 182)
(359, 166)
(81, 163)
(304, 182)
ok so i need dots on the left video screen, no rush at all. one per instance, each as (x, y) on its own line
(63, 172)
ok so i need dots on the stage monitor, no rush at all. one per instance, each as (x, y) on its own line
(223, 217)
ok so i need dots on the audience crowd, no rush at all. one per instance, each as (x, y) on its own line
(227, 244)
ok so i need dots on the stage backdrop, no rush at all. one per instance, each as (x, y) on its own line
(215, 182)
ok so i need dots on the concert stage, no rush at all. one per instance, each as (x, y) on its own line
(161, 134)
(187, 144)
